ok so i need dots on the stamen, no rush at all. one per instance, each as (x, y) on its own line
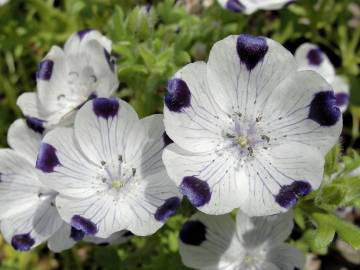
(117, 184)
(243, 141)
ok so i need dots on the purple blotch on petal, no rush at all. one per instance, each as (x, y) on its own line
(35, 124)
(47, 159)
(342, 99)
(167, 209)
(111, 60)
(301, 188)
(76, 234)
(105, 107)
(323, 109)
(45, 70)
(177, 95)
(22, 242)
(166, 139)
(315, 57)
(193, 232)
(83, 32)
(235, 5)
(251, 50)
(83, 224)
(286, 197)
(197, 191)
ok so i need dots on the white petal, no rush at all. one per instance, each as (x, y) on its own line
(243, 70)
(65, 169)
(212, 182)
(279, 176)
(30, 105)
(263, 231)
(19, 184)
(102, 135)
(61, 239)
(286, 257)
(303, 109)
(209, 242)
(310, 57)
(193, 119)
(117, 238)
(24, 136)
(37, 224)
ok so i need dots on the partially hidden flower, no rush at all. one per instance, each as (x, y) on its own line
(69, 77)
(311, 57)
(250, 6)
(219, 243)
(108, 170)
(249, 129)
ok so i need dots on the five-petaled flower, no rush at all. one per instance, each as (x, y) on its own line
(217, 242)
(250, 6)
(108, 170)
(250, 130)
(311, 57)
(67, 78)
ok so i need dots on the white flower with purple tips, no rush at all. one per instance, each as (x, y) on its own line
(249, 129)
(219, 243)
(311, 57)
(250, 6)
(67, 78)
(108, 170)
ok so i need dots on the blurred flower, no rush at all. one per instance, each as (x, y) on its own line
(68, 78)
(250, 131)
(250, 6)
(311, 57)
(108, 170)
(3, 2)
(217, 242)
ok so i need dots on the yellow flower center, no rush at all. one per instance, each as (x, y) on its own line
(243, 141)
(117, 184)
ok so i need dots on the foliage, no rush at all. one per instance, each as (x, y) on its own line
(150, 49)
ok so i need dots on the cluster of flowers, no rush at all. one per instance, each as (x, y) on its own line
(247, 130)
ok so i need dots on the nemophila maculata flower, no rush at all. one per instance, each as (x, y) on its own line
(249, 129)
(69, 77)
(311, 57)
(108, 170)
(250, 6)
(220, 243)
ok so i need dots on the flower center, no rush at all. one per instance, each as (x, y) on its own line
(243, 141)
(117, 184)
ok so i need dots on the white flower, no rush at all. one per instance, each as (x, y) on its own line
(108, 170)
(250, 6)
(27, 211)
(3, 2)
(311, 57)
(219, 243)
(68, 78)
(250, 131)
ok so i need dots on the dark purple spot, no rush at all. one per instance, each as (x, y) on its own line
(342, 99)
(323, 109)
(288, 194)
(251, 50)
(301, 188)
(235, 5)
(83, 224)
(315, 57)
(110, 59)
(128, 234)
(47, 159)
(22, 242)
(177, 95)
(196, 190)
(167, 209)
(166, 139)
(106, 107)
(148, 7)
(45, 70)
(83, 33)
(193, 232)
(35, 124)
(76, 234)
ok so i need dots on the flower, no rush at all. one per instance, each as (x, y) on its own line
(27, 207)
(68, 78)
(250, 6)
(311, 57)
(3, 2)
(217, 242)
(108, 170)
(250, 131)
